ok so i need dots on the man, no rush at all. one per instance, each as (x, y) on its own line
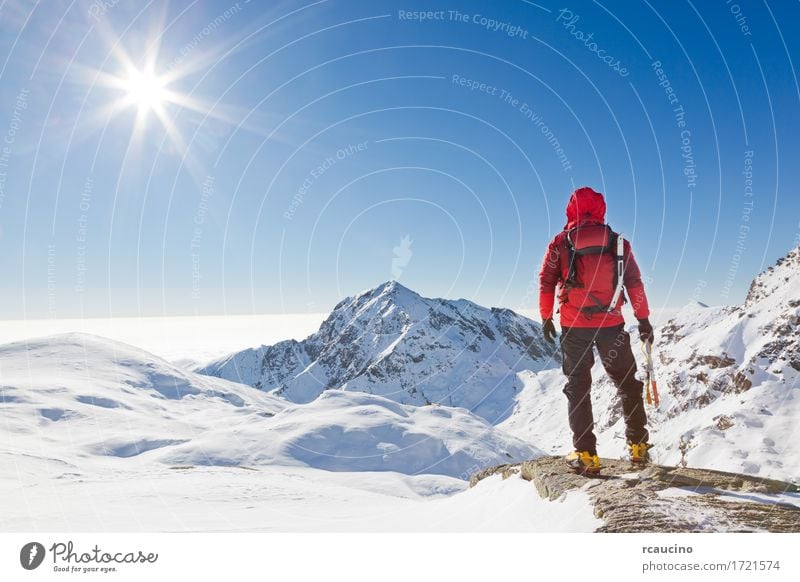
(584, 261)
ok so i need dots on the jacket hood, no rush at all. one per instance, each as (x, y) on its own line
(585, 206)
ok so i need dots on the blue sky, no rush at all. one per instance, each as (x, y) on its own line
(284, 155)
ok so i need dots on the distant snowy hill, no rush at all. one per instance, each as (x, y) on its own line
(392, 342)
(75, 403)
(729, 379)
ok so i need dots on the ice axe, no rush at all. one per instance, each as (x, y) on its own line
(651, 387)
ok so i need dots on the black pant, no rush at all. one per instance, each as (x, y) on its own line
(614, 348)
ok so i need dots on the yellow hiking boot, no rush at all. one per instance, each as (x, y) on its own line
(583, 462)
(639, 453)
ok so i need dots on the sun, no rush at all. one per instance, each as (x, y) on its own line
(145, 90)
(141, 83)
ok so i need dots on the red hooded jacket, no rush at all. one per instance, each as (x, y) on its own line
(585, 207)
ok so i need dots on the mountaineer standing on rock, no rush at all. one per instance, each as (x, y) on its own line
(590, 264)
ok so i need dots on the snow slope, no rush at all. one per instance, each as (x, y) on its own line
(284, 499)
(729, 380)
(75, 403)
(392, 342)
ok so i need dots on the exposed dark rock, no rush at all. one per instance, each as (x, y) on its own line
(723, 422)
(714, 362)
(741, 382)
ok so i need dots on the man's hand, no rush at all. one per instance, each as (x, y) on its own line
(645, 330)
(549, 330)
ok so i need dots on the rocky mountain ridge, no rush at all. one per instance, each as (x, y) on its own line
(392, 342)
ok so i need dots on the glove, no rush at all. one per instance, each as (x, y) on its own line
(645, 330)
(549, 330)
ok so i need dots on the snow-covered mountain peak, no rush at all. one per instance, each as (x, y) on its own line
(390, 290)
(778, 283)
(391, 341)
(386, 308)
(731, 348)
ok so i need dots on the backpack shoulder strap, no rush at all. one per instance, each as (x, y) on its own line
(570, 280)
(619, 273)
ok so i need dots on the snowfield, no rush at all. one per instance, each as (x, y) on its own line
(99, 435)
(88, 402)
(284, 499)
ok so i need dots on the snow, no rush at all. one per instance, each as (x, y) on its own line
(286, 499)
(760, 442)
(745, 496)
(540, 411)
(88, 402)
(101, 436)
(342, 431)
